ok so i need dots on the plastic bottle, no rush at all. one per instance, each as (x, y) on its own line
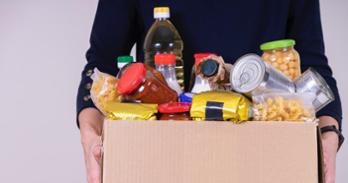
(165, 63)
(122, 63)
(200, 84)
(163, 37)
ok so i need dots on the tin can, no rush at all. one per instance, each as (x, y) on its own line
(251, 75)
(312, 81)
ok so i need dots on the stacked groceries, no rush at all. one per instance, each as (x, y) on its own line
(266, 88)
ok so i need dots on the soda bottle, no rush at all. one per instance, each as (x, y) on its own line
(163, 37)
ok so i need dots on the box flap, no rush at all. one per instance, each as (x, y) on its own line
(210, 152)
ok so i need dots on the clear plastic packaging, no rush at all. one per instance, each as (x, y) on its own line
(284, 107)
(103, 90)
(312, 81)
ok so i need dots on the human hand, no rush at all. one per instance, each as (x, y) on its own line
(92, 153)
(91, 121)
(330, 145)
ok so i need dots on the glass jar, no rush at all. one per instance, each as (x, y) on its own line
(178, 111)
(144, 84)
(282, 56)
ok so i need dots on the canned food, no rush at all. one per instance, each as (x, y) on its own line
(312, 81)
(251, 75)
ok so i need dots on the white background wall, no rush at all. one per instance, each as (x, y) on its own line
(42, 47)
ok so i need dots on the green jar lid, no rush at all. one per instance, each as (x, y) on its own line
(125, 59)
(278, 44)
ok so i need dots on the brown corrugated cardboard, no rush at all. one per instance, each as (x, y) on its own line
(210, 152)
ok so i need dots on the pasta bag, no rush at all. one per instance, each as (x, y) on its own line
(103, 90)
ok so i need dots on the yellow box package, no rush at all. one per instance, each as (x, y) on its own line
(221, 106)
(130, 111)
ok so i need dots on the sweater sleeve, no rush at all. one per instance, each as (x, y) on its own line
(304, 25)
(113, 34)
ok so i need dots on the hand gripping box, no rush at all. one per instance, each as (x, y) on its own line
(211, 152)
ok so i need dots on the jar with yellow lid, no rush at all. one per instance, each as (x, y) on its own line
(282, 56)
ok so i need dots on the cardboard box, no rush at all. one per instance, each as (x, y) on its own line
(211, 152)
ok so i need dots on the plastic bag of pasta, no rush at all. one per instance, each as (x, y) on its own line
(221, 106)
(103, 90)
(284, 107)
(130, 111)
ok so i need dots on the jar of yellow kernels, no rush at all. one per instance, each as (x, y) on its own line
(282, 56)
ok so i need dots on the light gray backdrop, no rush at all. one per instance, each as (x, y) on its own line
(42, 47)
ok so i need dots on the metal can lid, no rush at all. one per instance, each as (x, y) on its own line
(248, 73)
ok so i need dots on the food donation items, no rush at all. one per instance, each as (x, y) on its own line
(283, 57)
(260, 88)
(221, 106)
(103, 90)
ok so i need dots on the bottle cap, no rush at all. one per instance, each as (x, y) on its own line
(125, 59)
(161, 12)
(174, 107)
(165, 59)
(278, 44)
(200, 56)
(209, 68)
(131, 79)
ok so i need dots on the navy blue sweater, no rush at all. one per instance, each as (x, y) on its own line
(229, 28)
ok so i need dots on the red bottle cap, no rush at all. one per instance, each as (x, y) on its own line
(200, 56)
(174, 107)
(132, 77)
(165, 59)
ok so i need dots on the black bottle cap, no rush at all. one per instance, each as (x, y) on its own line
(209, 68)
